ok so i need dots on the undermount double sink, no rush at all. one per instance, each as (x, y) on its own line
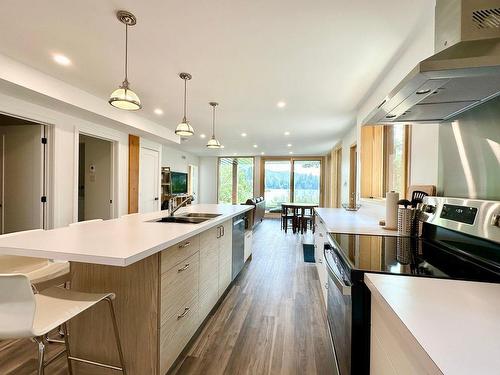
(188, 218)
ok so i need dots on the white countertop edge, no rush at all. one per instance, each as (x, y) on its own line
(141, 254)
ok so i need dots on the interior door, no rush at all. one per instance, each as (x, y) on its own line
(149, 180)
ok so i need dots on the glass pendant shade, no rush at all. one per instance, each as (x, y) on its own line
(213, 143)
(184, 129)
(124, 98)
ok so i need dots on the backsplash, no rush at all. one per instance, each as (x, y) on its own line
(469, 154)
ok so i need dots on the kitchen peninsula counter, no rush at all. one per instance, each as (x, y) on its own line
(167, 278)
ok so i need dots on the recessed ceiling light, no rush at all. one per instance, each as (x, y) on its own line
(255, 146)
(281, 104)
(289, 145)
(243, 134)
(61, 59)
(202, 135)
(158, 111)
(287, 133)
(262, 153)
(291, 152)
(235, 153)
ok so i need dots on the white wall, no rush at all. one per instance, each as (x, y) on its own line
(425, 139)
(208, 179)
(178, 160)
(63, 155)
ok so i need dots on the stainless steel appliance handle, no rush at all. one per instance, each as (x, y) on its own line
(341, 286)
(237, 222)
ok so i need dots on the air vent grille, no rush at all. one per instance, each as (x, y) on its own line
(486, 18)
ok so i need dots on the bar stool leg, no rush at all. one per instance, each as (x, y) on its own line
(117, 335)
(68, 352)
(41, 355)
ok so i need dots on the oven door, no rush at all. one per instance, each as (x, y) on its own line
(339, 306)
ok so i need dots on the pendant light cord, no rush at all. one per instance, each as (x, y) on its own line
(126, 53)
(213, 122)
(185, 98)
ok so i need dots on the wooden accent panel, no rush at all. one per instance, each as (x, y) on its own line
(372, 161)
(136, 304)
(133, 174)
(353, 166)
(179, 252)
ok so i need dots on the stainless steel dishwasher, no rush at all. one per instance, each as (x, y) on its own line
(238, 244)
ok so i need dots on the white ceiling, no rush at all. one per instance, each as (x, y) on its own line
(322, 57)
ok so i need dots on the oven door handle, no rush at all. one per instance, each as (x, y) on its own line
(341, 286)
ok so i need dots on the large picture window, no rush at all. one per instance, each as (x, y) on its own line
(235, 180)
(291, 180)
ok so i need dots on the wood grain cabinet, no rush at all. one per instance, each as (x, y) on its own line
(225, 256)
(320, 238)
(161, 301)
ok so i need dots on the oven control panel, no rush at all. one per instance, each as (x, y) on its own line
(461, 214)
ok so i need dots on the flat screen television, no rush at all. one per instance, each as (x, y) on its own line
(179, 182)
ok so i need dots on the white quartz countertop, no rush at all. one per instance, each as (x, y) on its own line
(456, 322)
(364, 221)
(117, 242)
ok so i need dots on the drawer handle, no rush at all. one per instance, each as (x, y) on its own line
(186, 310)
(326, 285)
(183, 268)
(188, 243)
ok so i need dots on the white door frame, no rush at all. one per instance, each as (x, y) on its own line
(47, 179)
(146, 143)
(95, 133)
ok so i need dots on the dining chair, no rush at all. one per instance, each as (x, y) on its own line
(306, 217)
(287, 218)
(24, 314)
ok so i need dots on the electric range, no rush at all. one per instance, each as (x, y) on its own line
(458, 239)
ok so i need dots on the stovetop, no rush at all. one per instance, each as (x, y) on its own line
(444, 255)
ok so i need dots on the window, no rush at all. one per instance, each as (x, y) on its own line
(235, 180)
(291, 180)
(384, 160)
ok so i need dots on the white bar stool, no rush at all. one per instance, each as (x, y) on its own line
(24, 314)
(41, 272)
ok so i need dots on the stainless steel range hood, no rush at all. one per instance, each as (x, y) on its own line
(464, 73)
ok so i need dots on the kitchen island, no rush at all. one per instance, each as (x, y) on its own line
(433, 326)
(167, 278)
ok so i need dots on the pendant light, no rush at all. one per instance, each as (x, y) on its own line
(184, 129)
(124, 97)
(213, 142)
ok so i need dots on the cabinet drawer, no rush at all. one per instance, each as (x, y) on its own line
(179, 285)
(178, 252)
(225, 273)
(176, 332)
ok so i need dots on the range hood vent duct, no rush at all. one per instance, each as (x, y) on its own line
(463, 73)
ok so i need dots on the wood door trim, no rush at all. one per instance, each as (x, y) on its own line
(133, 173)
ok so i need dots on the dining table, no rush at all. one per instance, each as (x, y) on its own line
(298, 210)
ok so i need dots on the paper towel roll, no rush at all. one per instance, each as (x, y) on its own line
(391, 210)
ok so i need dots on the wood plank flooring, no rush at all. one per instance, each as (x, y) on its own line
(273, 320)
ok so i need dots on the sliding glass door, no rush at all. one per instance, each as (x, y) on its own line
(306, 181)
(277, 178)
(235, 180)
(291, 180)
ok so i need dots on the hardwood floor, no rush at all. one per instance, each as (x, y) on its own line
(272, 321)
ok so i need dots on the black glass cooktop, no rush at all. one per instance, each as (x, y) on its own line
(446, 257)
